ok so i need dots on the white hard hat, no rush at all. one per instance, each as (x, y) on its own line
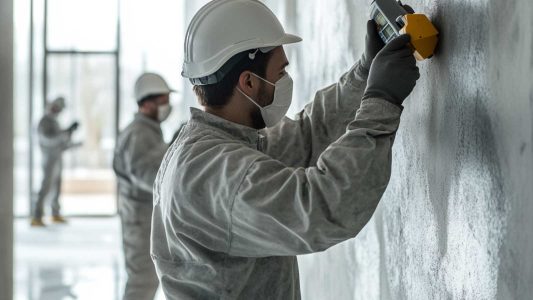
(149, 84)
(224, 28)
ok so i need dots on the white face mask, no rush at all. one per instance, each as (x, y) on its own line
(163, 111)
(274, 112)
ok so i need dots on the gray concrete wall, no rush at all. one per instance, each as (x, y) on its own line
(456, 221)
(6, 149)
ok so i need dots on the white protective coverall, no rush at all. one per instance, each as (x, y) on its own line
(53, 141)
(139, 151)
(234, 206)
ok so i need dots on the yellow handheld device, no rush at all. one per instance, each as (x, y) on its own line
(392, 20)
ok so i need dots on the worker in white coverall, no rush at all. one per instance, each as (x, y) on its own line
(53, 141)
(138, 154)
(235, 202)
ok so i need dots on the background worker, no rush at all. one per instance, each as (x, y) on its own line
(139, 151)
(236, 202)
(53, 141)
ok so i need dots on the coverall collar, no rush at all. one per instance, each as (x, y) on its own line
(241, 132)
(149, 122)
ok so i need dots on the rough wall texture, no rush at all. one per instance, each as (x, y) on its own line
(457, 219)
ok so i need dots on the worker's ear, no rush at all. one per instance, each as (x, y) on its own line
(247, 82)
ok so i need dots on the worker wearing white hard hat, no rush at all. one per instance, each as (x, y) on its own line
(243, 189)
(139, 151)
(53, 141)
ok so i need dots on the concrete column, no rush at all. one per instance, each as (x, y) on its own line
(6, 149)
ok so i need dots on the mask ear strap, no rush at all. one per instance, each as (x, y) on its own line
(263, 79)
(249, 98)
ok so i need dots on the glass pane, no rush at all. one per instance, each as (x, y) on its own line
(155, 46)
(88, 85)
(82, 25)
(21, 110)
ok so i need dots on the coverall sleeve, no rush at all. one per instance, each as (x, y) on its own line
(279, 210)
(143, 158)
(300, 142)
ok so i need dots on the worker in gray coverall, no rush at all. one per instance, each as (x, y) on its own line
(53, 141)
(138, 154)
(235, 202)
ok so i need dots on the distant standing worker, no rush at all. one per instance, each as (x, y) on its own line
(53, 141)
(139, 151)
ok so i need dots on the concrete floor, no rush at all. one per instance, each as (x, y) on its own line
(81, 260)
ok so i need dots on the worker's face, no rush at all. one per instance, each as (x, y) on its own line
(151, 107)
(56, 109)
(275, 70)
(263, 92)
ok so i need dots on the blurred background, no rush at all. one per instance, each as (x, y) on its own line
(91, 53)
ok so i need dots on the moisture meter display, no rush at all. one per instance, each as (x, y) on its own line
(387, 15)
(386, 32)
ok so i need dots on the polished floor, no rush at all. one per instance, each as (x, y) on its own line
(80, 260)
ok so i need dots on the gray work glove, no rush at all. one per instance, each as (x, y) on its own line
(373, 44)
(393, 73)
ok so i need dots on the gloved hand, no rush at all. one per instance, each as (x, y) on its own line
(373, 44)
(393, 73)
(73, 126)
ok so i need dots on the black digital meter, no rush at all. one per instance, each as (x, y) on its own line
(388, 16)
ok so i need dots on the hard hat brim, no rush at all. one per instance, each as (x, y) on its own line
(192, 70)
(155, 92)
(290, 39)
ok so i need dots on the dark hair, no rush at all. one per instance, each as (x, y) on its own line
(148, 98)
(218, 94)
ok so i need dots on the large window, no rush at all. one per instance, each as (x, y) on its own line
(91, 52)
(88, 83)
(80, 54)
(82, 25)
